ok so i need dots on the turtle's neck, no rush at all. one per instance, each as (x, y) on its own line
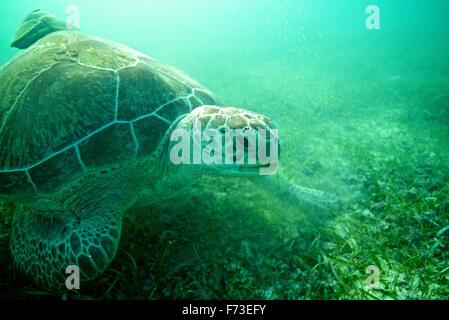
(175, 176)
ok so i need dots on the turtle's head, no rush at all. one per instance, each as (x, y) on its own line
(226, 140)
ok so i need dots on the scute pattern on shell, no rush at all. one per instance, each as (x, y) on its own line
(71, 94)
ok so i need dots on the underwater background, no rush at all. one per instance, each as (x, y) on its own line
(362, 114)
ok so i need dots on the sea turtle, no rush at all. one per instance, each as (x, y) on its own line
(85, 127)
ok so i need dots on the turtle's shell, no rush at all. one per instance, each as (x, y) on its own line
(72, 102)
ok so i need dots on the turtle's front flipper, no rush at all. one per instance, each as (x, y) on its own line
(309, 200)
(44, 244)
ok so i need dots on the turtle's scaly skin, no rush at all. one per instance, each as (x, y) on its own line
(81, 120)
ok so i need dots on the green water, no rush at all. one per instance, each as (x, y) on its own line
(362, 114)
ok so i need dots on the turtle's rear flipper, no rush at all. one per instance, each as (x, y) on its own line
(35, 26)
(305, 199)
(45, 243)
